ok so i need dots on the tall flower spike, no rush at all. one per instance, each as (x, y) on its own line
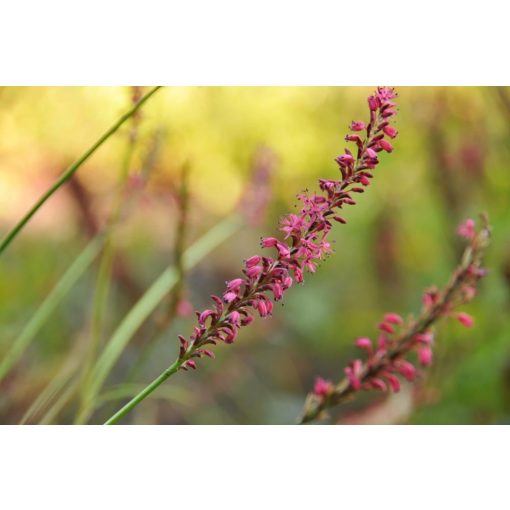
(305, 237)
(383, 366)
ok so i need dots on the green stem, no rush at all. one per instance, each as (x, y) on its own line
(148, 303)
(144, 393)
(71, 170)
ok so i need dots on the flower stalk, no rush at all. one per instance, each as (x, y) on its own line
(304, 244)
(397, 340)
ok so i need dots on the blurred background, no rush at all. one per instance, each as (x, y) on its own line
(212, 169)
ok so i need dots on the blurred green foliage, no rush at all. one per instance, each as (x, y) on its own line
(450, 161)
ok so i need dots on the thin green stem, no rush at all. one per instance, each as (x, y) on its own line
(144, 393)
(148, 303)
(7, 240)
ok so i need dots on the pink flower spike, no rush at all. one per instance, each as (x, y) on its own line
(467, 229)
(357, 125)
(425, 356)
(322, 387)
(393, 318)
(465, 319)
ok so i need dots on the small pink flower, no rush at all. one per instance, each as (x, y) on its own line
(465, 319)
(364, 343)
(373, 103)
(390, 131)
(344, 159)
(407, 369)
(253, 261)
(357, 125)
(228, 297)
(378, 384)
(254, 271)
(393, 318)
(371, 153)
(385, 145)
(235, 318)
(393, 382)
(424, 338)
(388, 328)
(234, 285)
(322, 387)
(269, 242)
(425, 356)
(467, 229)
(364, 180)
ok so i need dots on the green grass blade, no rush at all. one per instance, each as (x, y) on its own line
(50, 303)
(7, 240)
(150, 300)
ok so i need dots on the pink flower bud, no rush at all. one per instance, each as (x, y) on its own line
(357, 125)
(388, 328)
(269, 242)
(373, 103)
(252, 261)
(406, 369)
(344, 159)
(228, 297)
(234, 317)
(467, 229)
(378, 384)
(254, 271)
(425, 356)
(385, 145)
(204, 315)
(322, 387)
(190, 364)
(393, 382)
(465, 319)
(364, 343)
(364, 180)
(234, 285)
(390, 131)
(424, 338)
(371, 153)
(393, 318)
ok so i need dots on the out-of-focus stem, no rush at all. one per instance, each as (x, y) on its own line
(7, 240)
(106, 264)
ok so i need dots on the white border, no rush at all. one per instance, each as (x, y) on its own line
(254, 467)
(268, 42)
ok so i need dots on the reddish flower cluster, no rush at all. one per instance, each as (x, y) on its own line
(386, 360)
(304, 242)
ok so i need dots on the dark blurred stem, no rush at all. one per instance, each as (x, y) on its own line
(7, 240)
(144, 393)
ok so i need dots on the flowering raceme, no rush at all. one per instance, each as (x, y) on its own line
(304, 242)
(388, 359)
